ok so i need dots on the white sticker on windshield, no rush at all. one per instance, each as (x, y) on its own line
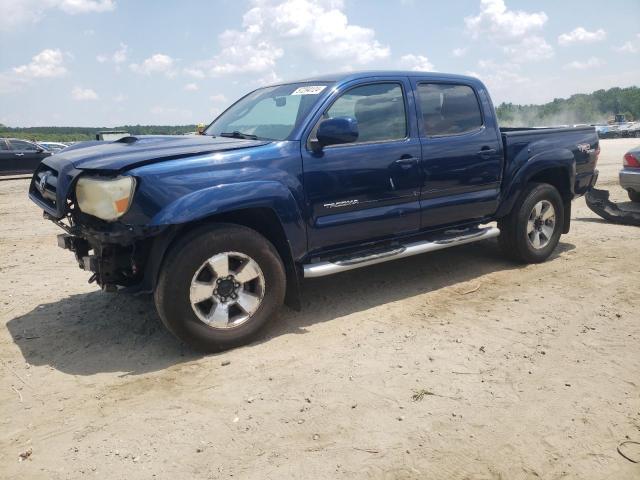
(310, 90)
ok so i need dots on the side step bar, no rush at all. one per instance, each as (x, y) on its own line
(328, 268)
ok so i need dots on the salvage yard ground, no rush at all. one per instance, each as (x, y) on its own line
(456, 364)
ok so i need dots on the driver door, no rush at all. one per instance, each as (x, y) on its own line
(368, 189)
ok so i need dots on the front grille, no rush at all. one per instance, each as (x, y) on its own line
(44, 186)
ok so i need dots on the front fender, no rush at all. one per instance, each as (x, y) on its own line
(226, 198)
(558, 159)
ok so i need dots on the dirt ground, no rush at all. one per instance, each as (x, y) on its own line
(455, 364)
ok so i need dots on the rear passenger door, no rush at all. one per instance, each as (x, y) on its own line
(461, 154)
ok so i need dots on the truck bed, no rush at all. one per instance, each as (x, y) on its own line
(523, 144)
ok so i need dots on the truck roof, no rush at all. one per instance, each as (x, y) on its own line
(348, 76)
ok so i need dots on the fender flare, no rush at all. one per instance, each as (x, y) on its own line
(554, 159)
(225, 198)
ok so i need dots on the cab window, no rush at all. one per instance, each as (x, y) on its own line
(378, 108)
(448, 109)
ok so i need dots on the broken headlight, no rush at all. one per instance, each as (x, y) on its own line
(105, 198)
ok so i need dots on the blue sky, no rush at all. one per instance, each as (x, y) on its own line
(112, 62)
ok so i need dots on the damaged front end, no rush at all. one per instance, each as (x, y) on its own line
(115, 253)
(115, 261)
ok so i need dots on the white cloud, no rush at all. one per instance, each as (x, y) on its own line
(84, 6)
(157, 63)
(512, 30)
(191, 87)
(82, 94)
(244, 52)
(459, 52)
(47, 63)
(631, 46)
(581, 35)
(271, 28)
(268, 78)
(218, 98)
(418, 63)
(529, 49)
(593, 62)
(194, 72)
(496, 21)
(22, 12)
(119, 56)
(501, 79)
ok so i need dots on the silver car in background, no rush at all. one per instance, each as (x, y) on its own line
(630, 174)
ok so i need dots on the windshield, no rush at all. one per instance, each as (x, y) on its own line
(269, 113)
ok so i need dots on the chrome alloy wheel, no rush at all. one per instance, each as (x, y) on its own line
(227, 289)
(541, 224)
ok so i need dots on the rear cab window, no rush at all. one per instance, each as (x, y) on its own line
(448, 109)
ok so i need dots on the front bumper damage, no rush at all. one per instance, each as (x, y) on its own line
(116, 256)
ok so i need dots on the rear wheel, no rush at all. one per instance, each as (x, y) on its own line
(219, 286)
(634, 196)
(531, 232)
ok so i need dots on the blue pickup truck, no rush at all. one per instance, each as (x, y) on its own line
(307, 179)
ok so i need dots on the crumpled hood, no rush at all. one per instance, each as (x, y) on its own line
(131, 152)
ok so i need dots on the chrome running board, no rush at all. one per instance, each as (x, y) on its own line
(459, 238)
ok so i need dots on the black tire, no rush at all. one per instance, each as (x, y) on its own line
(634, 196)
(172, 294)
(514, 239)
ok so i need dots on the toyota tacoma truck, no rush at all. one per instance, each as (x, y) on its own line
(307, 179)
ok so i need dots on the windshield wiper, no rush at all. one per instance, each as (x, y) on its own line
(237, 134)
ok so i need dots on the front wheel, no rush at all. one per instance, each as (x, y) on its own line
(531, 231)
(634, 196)
(219, 285)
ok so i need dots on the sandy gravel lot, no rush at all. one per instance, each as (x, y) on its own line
(518, 372)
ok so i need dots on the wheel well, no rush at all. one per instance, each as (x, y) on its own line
(262, 220)
(265, 221)
(558, 178)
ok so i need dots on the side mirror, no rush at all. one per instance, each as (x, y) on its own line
(40, 150)
(336, 131)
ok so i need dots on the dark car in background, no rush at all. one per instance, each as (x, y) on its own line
(20, 156)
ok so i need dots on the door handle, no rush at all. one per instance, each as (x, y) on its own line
(19, 154)
(486, 151)
(406, 162)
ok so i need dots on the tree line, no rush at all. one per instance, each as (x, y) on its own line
(74, 134)
(596, 107)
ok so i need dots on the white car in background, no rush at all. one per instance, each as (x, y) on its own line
(631, 129)
(53, 147)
